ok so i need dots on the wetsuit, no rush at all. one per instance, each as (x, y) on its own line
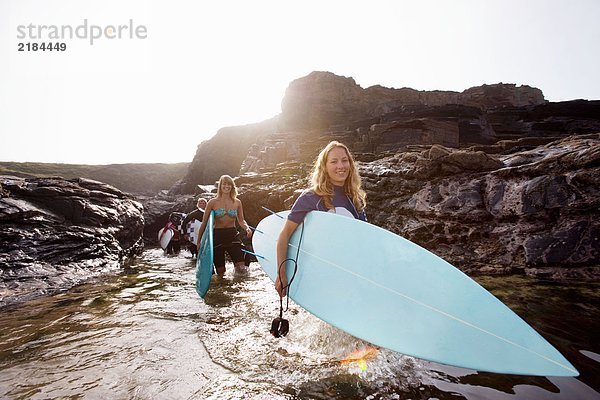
(310, 201)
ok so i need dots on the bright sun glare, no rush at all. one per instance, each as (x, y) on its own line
(207, 65)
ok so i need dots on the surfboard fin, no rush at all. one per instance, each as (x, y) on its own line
(255, 230)
(254, 254)
(272, 212)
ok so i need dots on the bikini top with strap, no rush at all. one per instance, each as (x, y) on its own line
(221, 212)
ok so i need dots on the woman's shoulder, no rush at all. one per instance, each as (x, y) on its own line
(308, 199)
(212, 204)
(308, 193)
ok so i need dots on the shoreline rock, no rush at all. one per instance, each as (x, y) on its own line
(56, 233)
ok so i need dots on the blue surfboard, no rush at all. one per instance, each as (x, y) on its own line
(382, 288)
(204, 261)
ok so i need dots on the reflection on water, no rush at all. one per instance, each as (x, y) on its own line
(145, 334)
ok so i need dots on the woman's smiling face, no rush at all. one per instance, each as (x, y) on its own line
(338, 166)
(226, 187)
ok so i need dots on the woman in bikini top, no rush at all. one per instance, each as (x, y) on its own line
(221, 212)
(227, 210)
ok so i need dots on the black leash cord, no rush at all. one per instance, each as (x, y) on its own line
(286, 288)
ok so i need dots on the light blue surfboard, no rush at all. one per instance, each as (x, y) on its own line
(204, 261)
(386, 290)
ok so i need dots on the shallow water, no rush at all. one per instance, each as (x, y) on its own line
(145, 334)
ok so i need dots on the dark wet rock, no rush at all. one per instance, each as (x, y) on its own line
(540, 207)
(158, 208)
(275, 190)
(432, 162)
(55, 233)
(540, 212)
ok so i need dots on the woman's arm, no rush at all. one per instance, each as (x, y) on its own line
(241, 220)
(282, 247)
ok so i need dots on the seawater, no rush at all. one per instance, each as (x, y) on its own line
(145, 334)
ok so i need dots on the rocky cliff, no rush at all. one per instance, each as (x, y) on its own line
(322, 100)
(55, 233)
(382, 121)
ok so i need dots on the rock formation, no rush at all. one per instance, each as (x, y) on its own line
(322, 100)
(55, 233)
(535, 212)
(158, 208)
(382, 121)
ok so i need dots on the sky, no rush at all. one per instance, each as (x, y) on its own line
(149, 80)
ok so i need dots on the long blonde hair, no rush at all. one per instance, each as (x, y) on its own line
(227, 179)
(323, 187)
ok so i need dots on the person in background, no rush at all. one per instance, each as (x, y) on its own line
(197, 214)
(228, 209)
(174, 223)
(336, 187)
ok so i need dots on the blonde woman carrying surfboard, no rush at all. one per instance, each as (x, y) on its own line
(227, 209)
(336, 187)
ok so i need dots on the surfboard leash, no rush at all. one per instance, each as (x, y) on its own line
(280, 326)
